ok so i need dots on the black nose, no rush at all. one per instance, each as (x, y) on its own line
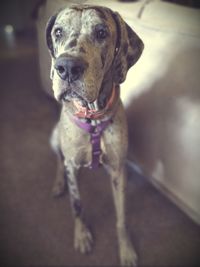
(70, 69)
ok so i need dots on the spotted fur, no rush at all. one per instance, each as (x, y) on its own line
(108, 47)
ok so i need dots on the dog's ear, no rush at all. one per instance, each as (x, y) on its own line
(129, 48)
(49, 27)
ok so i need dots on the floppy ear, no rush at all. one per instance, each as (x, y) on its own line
(128, 49)
(49, 27)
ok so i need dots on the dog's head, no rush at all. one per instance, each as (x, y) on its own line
(87, 44)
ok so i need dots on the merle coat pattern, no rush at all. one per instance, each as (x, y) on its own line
(98, 48)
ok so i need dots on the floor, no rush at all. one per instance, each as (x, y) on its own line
(35, 228)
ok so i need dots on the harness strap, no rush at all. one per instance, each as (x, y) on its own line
(95, 132)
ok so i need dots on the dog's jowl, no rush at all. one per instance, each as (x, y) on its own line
(91, 48)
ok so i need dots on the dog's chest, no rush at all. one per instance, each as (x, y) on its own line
(77, 145)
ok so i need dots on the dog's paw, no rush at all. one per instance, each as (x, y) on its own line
(83, 240)
(59, 188)
(128, 256)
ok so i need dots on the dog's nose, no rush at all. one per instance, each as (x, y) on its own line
(70, 68)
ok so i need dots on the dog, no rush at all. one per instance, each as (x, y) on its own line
(91, 49)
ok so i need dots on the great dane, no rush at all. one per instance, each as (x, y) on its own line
(91, 49)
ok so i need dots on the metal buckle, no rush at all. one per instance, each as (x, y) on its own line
(96, 153)
(95, 134)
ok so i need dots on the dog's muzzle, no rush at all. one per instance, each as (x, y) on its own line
(69, 68)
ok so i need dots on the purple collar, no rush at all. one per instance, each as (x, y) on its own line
(95, 132)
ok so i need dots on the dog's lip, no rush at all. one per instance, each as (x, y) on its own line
(69, 95)
(63, 95)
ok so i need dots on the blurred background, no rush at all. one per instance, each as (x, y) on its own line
(162, 99)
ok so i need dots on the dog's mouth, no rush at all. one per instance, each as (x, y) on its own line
(71, 96)
(91, 110)
(83, 108)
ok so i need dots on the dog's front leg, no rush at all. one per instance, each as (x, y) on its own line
(60, 181)
(128, 256)
(82, 236)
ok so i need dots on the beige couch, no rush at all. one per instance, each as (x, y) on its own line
(161, 95)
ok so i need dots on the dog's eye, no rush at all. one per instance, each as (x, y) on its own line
(58, 33)
(101, 34)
